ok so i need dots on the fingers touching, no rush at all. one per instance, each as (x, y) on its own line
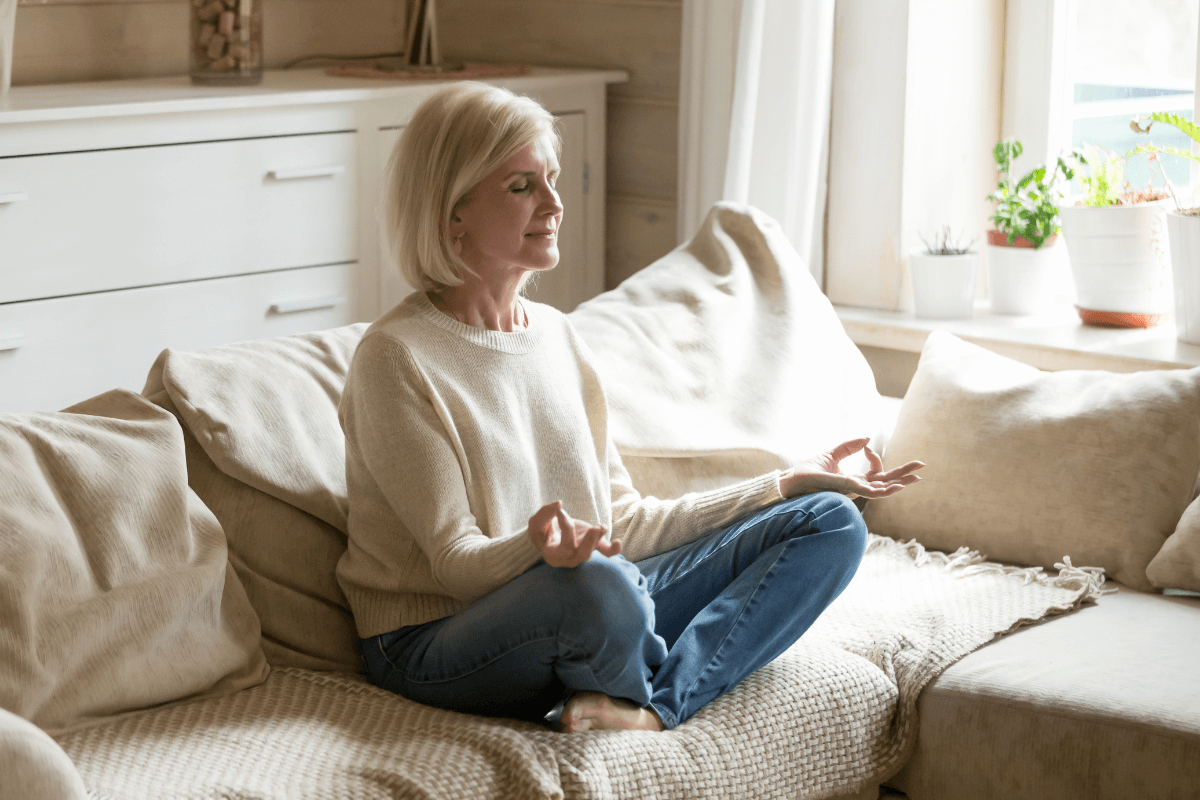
(847, 449)
(566, 542)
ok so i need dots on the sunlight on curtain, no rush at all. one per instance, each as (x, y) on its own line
(773, 149)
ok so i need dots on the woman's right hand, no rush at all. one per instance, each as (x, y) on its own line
(567, 542)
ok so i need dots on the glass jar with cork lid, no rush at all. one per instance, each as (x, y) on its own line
(226, 41)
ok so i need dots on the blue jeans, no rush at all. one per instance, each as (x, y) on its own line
(669, 633)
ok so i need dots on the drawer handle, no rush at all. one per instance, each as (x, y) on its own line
(13, 342)
(306, 172)
(313, 304)
(12, 197)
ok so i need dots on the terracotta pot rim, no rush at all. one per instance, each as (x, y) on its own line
(1000, 239)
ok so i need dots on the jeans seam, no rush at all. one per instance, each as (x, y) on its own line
(741, 612)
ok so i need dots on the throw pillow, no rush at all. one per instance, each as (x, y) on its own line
(1177, 565)
(1030, 466)
(723, 360)
(115, 587)
(33, 765)
(268, 458)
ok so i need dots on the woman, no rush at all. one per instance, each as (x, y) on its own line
(484, 486)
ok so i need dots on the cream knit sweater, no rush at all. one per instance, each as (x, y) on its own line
(455, 436)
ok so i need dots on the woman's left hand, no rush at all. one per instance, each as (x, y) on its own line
(822, 473)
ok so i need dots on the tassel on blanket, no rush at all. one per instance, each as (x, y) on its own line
(965, 562)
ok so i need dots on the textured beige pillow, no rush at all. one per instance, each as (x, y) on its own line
(284, 558)
(268, 457)
(723, 360)
(1177, 565)
(1030, 466)
(115, 588)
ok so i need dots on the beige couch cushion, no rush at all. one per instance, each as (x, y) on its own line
(115, 592)
(1102, 704)
(282, 556)
(1029, 466)
(268, 458)
(1177, 565)
(723, 360)
(33, 765)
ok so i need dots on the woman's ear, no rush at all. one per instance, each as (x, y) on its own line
(455, 230)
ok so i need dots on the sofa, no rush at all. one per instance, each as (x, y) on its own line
(171, 626)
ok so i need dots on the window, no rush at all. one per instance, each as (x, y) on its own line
(1125, 58)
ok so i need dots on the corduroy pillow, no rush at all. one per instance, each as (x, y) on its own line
(268, 457)
(116, 592)
(1030, 466)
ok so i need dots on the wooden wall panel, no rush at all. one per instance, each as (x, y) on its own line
(643, 146)
(66, 42)
(640, 229)
(639, 36)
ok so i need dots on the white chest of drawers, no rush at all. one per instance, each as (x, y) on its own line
(147, 214)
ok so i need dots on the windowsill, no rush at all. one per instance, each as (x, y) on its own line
(1052, 340)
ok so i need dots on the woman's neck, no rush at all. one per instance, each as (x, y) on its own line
(493, 308)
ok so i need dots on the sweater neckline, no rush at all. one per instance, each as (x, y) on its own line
(521, 341)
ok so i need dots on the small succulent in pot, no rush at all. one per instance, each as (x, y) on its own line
(943, 276)
(947, 243)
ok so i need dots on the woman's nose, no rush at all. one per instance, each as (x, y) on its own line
(550, 202)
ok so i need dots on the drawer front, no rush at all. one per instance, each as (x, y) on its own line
(74, 223)
(54, 353)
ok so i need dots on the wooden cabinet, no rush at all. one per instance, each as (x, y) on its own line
(147, 214)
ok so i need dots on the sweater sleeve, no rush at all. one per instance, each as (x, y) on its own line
(648, 526)
(395, 427)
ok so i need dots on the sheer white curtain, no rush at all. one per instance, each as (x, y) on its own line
(754, 113)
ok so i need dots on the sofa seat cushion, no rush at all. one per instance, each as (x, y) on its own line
(1104, 703)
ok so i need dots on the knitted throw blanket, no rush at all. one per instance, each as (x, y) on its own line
(833, 714)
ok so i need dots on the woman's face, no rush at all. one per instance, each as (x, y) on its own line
(511, 218)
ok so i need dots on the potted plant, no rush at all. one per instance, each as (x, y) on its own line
(1116, 240)
(1020, 260)
(943, 277)
(1183, 233)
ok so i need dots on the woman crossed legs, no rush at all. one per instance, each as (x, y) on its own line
(636, 646)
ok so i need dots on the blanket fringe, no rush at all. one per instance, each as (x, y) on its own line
(964, 562)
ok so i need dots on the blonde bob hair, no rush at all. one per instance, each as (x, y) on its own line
(456, 138)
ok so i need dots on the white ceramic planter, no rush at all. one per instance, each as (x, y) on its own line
(1184, 235)
(1120, 261)
(943, 286)
(1020, 277)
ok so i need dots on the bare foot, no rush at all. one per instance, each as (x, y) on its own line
(592, 711)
